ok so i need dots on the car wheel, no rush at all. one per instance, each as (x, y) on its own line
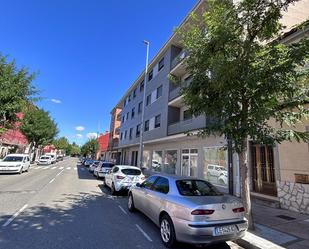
(131, 206)
(167, 231)
(113, 190)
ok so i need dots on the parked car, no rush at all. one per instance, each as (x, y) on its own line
(15, 163)
(53, 157)
(188, 210)
(88, 162)
(122, 177)
(59, 158)
(45, 160)
(216, 170)
(101, 170)
(93, 166)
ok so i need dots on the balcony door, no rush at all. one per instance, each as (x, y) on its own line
(263, 170)
(189, 161)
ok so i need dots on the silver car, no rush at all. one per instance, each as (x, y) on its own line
(188, 210)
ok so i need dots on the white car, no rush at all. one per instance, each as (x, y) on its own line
(103, 169)
(93, 166)
(15, 163)
(122, 177)
(45, 160)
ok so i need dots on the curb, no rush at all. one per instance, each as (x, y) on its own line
(252, 241)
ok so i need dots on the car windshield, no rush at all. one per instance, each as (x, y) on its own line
(196, 188)
(13, 159)
(45, 157)
(134, 172)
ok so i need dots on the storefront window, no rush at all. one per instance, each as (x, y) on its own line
(216, 165)
(189, 158)
(170, 161)
(146, 158)
(157, 161)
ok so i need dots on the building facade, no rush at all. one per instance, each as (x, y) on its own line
(172, 146)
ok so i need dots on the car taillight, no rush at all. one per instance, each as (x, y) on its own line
(239, 210)
(202, 212)
(120, 177)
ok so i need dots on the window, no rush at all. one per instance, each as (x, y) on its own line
(130, 133)
(161, 185)
(134, 93)
(141, 86)
(138, 130)
(161, 64)
(133, 112)
(150, 75)
(170, 162)
(187, 115)
(149, 182)
(140, 106)
(148, 100)
(125, 102)
(196, 188)
(129, 97)
(159, 91)
(125, 134)
(115, 169)
(122, 119)
(127, 116)
(157, 121)
(121, 135)
(146, 125)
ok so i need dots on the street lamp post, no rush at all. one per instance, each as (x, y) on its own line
(141, 145)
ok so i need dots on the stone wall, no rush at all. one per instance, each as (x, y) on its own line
(294, 196)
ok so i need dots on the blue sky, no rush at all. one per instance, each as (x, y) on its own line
(87, 53)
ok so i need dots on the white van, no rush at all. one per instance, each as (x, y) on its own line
(53, 157)
(45, 160)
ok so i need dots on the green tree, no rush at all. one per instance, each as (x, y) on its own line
(61, 143)
(244, 78)
(39, 128)
(90, 147)
(16, 91)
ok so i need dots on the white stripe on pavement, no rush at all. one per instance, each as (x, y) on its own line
(61, 168)
(75, 168)
(121, 208)
(68, 167)
(52, 180)
(143, 232)
(54, 167)
(14, 216)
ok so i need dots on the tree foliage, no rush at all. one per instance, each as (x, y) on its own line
(16, 91)
(250, 84)
(39, 127)
(90, 147)
(61, 143)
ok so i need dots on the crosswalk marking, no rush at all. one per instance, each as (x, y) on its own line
(68, 167)
(61, 168)
(58, 167)
(75, 168)
(54, 167)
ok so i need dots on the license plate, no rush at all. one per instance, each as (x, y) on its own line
(225, 230)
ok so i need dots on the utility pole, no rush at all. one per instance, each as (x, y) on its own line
(141, 141)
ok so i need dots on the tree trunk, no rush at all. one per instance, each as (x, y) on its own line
(245, 190)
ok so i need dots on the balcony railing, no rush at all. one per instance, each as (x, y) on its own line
(187, 125)
(179, 58)
(174, 93)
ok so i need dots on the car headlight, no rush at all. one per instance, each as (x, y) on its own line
(17, 165)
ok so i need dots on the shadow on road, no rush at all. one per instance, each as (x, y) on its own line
(83, 173)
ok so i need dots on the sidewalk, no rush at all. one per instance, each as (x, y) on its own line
(282, 227)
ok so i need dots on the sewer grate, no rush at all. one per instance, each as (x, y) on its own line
(285, 217)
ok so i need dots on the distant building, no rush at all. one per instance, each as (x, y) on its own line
(103, 146)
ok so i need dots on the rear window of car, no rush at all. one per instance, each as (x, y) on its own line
(108, 165)
(135, 172)
(196, 188)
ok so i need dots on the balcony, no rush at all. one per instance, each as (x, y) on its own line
(178, 67)
(187, 125)
(176, 91)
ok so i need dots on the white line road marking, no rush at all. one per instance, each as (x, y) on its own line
(52, 180)
(53, 167)
(61, 168)
(121, 208)
(59, 173)
(15, 215)
(35, 167)
(75, 168)
(68, 167)
(143, 232)
(47, 167)
(40, 167)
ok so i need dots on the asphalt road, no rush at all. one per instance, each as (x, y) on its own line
(63, 206)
